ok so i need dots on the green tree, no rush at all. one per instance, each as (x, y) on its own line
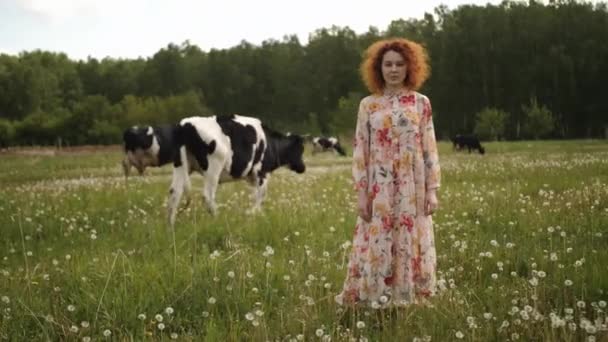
(539, 121)
(490, 123)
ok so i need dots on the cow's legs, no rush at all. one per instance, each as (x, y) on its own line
(211, 181)
(210, 187)
(126, 167)
(179, 184)
(260, 187)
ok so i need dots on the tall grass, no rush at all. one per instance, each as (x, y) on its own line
(521, 238)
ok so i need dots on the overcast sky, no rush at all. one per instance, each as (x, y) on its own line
(133, 28)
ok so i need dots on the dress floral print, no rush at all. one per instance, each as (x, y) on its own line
(395, 160)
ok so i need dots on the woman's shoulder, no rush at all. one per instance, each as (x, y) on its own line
(421, 97)
(370, 99)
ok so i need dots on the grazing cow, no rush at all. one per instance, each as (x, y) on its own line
(224, 148)
(469, 141)
(324, 144)
(147, 146)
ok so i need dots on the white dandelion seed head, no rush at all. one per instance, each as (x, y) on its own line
(161, 326)
(169, 310)
(459, 335)
(107, 332)
(211, 300)
(319, 332)
(141, 317)
(158, 317)
(360, 325)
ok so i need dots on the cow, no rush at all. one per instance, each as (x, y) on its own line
(225, 148)
(147, 146)
(460, 141)
(324, 144)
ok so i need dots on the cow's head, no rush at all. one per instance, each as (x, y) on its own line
(293, 155)
(138, 137)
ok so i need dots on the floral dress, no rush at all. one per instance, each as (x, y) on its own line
(395, 160)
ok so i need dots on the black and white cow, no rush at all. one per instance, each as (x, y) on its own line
(470, 142)
(324, 144)
(147, 146)
(224, 148)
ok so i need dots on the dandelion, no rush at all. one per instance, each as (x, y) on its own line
(174, 336)
(74, 329)
(580, 304)
(249, 275)
(158, 317)
(488, 316)
(568, 282)
(319, 332)
(231, 274)
(6, 300)
(602, 304)
(533, 281)
(107, 333)
(360, 325)
(383, 299)
(259, 313)
(255, 323)
(286, 277)
(542, 274)
(205, 314)
(568, 311)
(494, 276)
(86, 339)
(161, 326)
(212, 300)
(141, 317)
(249, 316)
(169, 310)
(459, 335)
(71, 308)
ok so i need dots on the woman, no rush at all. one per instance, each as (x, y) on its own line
(396, 174)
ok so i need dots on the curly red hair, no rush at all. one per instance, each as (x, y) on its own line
(415, 56)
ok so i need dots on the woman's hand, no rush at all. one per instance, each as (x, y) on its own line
(430, 202)
(364, 206)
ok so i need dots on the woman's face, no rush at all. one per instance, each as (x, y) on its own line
(394, 69)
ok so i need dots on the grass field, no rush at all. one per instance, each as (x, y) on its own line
(522, 243)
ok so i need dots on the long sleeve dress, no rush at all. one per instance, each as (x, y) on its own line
(395, 161)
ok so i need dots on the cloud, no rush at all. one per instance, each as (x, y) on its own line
(61, 10)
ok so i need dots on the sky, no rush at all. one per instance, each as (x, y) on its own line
(139, 28)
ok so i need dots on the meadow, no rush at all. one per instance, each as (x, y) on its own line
(521, 234)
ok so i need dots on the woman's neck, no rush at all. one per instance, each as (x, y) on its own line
(392, 90)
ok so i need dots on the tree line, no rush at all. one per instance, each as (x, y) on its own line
(510, 71)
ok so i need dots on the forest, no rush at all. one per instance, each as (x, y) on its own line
(518, 70)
